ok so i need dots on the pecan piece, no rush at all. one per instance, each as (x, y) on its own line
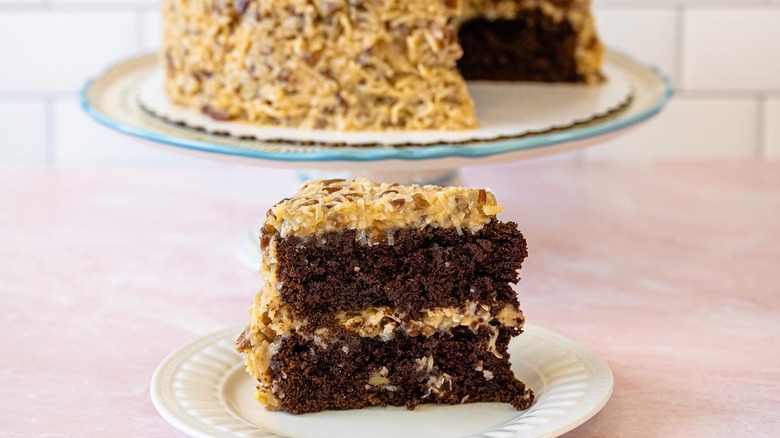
(215, 113)
(376, 235)
(242, 343)
(481, 197)
(202, 75)
(241, 6)
(169, 64)
(286, 77)
(330, 7)
(310, 58)
(420, 202)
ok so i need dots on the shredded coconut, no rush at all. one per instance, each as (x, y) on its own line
(339, 64)
(376, 210)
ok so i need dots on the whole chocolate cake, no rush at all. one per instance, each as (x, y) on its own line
(380, 294)
(367, 64)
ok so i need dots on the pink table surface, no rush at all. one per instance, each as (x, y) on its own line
(670, 272)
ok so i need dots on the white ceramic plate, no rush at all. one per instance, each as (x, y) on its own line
(203, 390)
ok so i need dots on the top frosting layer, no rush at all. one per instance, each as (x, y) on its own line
(374, 210)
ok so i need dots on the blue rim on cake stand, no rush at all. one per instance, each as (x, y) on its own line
(112, 100)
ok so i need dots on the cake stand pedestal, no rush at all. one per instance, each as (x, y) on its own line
(112, 99)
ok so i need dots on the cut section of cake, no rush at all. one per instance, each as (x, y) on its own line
(381, 294)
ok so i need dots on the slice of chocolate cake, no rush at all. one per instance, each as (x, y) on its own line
(380, 294)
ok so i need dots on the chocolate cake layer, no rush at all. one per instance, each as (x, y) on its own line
(423, 269)
(354, 372)
(531, 47)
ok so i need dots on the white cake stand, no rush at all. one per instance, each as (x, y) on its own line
(113, 100)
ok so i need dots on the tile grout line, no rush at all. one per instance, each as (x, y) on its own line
(701, 94)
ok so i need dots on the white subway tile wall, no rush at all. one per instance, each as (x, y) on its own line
(736, 49)
(648, 35)
(686, 131)
(81, 140)
(54, 51)
(23, 131)
(722, 55)
(152, 30)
